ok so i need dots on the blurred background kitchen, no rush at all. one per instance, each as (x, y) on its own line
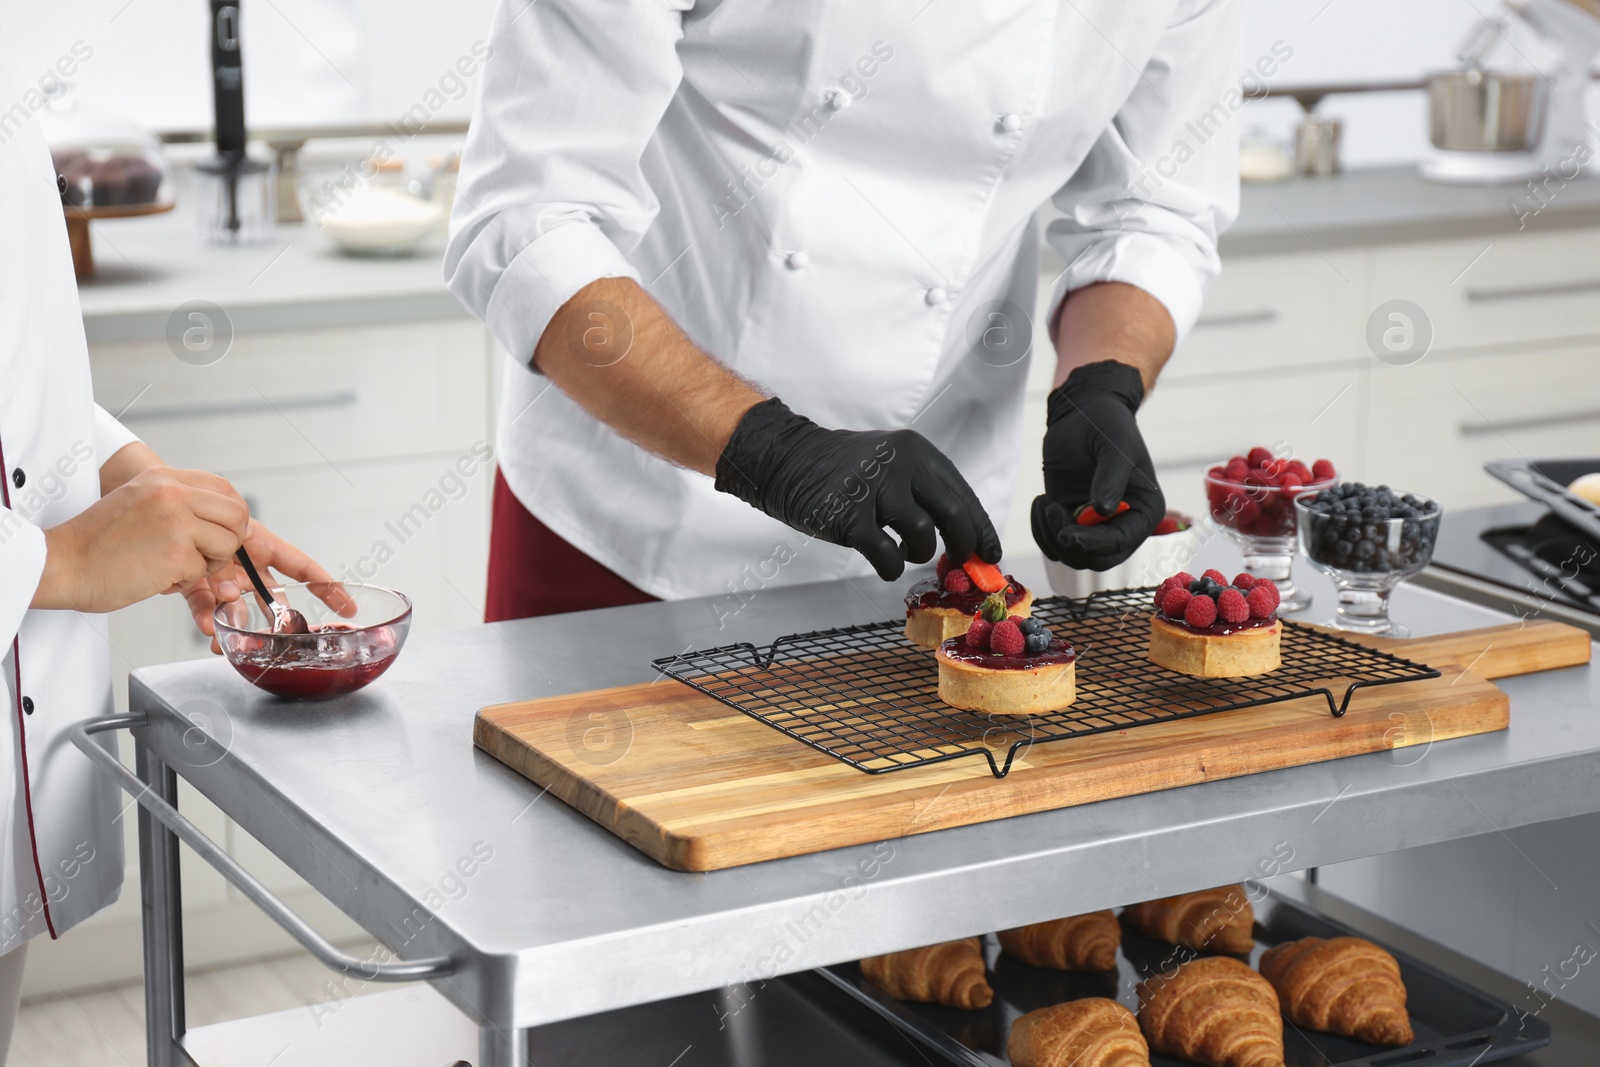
(299, 338)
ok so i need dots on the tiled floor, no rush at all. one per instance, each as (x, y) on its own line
(106, 1029)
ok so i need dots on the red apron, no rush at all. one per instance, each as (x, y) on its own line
(534, 571)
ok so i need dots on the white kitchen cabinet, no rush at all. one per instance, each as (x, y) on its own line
(1435, 423)
(1271, 314)
(303, 398)
(1504, 291)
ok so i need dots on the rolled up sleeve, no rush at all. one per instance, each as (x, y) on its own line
(1161, 183)
(21, 564)
(110, 436)
(551, 194)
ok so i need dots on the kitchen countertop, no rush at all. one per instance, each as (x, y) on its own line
(148, 266)
(1393, 205)
(381, 802)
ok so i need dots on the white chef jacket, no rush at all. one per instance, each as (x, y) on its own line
(60, 850)
(832, 199)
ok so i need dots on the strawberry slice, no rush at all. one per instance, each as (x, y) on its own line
(1089, 515)
(985, 576)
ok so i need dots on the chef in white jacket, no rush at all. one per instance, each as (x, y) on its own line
(698, 226)
(90, 521)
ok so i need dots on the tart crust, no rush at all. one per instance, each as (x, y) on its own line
(932, 627)
(1016, 691)
(1237, 655)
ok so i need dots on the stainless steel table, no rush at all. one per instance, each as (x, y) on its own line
(522, 912)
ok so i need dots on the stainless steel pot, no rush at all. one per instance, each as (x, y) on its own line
(1481, 111)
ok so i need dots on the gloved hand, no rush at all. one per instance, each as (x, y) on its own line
(845, 486)
(1094, 454)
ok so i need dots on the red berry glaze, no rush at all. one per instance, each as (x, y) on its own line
(1006, 639)
(1231, 606)
(1200, 612)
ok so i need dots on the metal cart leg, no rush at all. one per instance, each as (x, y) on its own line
(161, 903)
(502, 1048)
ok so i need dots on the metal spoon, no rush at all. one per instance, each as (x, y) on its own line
(285, 620)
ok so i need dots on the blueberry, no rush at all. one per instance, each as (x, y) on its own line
(1030, 625)
(1036, 642)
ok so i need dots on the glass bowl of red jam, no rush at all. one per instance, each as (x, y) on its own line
(341, 654)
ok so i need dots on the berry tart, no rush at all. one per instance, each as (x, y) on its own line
(1006, 664)
(1211, 628)
(943, 606)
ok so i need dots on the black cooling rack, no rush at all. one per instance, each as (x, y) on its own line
(867, 696)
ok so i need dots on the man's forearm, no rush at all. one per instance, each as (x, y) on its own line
(1112, 320)
(616, 352)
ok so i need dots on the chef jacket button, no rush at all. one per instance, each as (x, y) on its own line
(18, 478)
(797, 261)
(936, 296)
(27, 705)
(1011, 123)
(836, 99)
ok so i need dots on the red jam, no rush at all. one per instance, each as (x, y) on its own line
(1219, 628)
(931, 593)
(956, 648)
(328, 662)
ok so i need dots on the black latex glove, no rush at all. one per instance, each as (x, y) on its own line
(1094, 454)
(845, 486)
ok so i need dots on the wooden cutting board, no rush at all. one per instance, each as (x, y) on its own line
(700, 787)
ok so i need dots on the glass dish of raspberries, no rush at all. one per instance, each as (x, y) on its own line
(1368, 539)
(1252, 497)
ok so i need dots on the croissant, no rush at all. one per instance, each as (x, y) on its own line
(1218, 919)
(1342, 985)
(948, 973)
(1214, 1010)
(1091, 1032)
(1076, 943)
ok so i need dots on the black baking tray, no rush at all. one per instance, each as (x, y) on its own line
(1546, 481)
(1456, 1025)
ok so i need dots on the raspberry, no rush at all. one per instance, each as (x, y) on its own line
(1175, 601)
(1322, 470)
(1232, 606)
(1168, 525)
(1299, 467)
(1259, 457)
(1006, 639)
(1168, 586)
(1200, 612)
(1236, 469)
(1183, 578)
(1262, 600)
(1244, 580)
(942, 568)
(1216, 576)
(978, 633)
(956, 581)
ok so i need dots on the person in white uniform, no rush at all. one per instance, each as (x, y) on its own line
(90, 521)
(708, 224)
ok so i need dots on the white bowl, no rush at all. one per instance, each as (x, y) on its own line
(381, 222)
(1156, 559)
